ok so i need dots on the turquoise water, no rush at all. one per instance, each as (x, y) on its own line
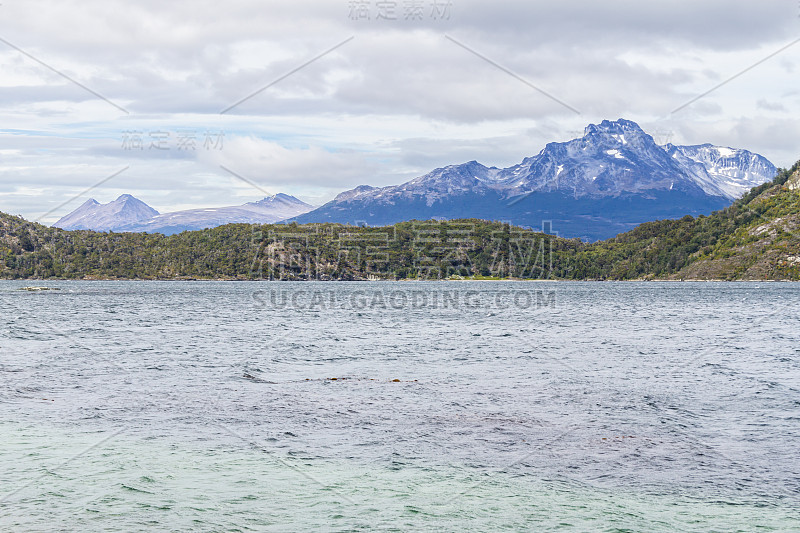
(485, 406)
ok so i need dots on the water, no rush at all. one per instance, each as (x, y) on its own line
(139, 406)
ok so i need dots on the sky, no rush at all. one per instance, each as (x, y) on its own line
(196, 103)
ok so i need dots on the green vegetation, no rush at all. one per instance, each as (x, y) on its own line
(755, 238)
(426, 250)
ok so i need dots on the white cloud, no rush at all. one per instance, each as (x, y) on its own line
(394, 102)
(274, 166)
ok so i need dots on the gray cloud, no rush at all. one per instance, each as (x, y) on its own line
(396, 101)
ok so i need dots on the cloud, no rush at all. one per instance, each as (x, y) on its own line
(770, 106)
(393, 102)
(273, 165)
(155, 58)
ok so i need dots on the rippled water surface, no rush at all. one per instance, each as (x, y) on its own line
(139, 406)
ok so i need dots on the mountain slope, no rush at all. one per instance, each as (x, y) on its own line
(610, 180)
(765, 247)
(269, 210)
(733, 172)
(611, 159)
(756, 238)
(127, 214)
(107, 217)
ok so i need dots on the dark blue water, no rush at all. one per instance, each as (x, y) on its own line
(141, 406)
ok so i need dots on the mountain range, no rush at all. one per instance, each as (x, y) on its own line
(92, 215)
(129, 214)
(605, 183)
(755, 238)
(610, 180)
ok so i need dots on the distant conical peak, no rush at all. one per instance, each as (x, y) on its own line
(128, 213)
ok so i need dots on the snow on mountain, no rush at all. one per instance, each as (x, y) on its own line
(440, 185)
(352, 194)
(611, 159)
(732, 171)
(611, 179)
(107, 217)
(608, 181)
(267, 211)
(127, 214)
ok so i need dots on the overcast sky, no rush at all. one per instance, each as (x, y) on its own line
(314, 97)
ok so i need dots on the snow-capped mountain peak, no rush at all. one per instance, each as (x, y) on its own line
(612, 158)
(106, 217)
(278, 200)
(616, 168)
(361, 190)
(128, 214)
(619, 128)
(729, 170)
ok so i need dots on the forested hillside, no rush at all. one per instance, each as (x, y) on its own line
(755, 238)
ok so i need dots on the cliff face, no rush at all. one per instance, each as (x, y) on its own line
(793, 183)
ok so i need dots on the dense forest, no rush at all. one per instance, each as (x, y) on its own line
(755, 238)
